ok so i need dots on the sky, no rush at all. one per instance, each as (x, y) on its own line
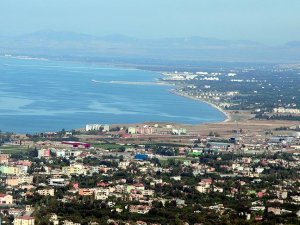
(266, 21)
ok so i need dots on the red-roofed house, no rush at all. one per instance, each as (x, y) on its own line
(6, 199)
(75, 185)
(102, 184)
(260, 194)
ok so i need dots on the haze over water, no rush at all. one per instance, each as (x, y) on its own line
(39, 96)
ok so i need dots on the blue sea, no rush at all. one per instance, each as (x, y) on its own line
(40, 96)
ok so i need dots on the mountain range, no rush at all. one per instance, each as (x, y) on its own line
(77, 45)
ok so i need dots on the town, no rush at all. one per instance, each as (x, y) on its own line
(149, 112)
(267, 92)
(152, 174)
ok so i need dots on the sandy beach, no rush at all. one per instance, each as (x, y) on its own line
(227, 114)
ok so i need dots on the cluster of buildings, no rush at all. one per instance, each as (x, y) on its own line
(97, 127)
(156, 129)
(186, 76)
(138, 180)
(258, 92)
(286, 110)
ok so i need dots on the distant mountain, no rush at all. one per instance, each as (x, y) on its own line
(66, 44)
(118, 38)
(293, 44)
(56, 36)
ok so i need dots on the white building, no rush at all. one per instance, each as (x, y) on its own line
(179, 131)
(57, 182)
(90, 127)
(105, 128)
(46, 192)
(24, 220)
(60, 153)
(131, 130)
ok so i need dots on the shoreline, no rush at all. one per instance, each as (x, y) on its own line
(154, 82)
(226, 114)
(158, 83)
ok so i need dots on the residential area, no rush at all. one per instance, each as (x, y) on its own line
(150, 174)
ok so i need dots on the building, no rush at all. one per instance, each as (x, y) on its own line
(67, 222)
(60, 153)
(219, 146)
(29, 208)
(105, 128)
(97, 127)
(141, 209)
(11, 170)
(131, 130)
(102, 194)
(72, 153)
(24, 163)
(145, 130)
(44, 153)
(24, 220)
(15, 212)
(286, 110)
(179, 131)
(73, 170)
(85, 192)
(4, 158)
(54, 219)
(15, 181)
(58, 182)
(46, 192)
(76, 144)
(90, 127)
(6, 199)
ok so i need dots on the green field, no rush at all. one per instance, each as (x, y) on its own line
(108, 146)
(10, 149)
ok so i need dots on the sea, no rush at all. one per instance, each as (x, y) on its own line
(38, 95)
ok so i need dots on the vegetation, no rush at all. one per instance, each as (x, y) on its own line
(259, 90)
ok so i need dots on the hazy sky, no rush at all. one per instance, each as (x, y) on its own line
(269, 21)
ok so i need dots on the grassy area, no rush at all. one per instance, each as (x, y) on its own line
(10, 149)
(108, 146)
(166, 144)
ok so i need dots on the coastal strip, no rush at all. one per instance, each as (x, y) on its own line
(132, 82)
(227, 115)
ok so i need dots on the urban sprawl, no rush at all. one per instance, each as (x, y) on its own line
(152, 174)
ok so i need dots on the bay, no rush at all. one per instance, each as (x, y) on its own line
(40, 96)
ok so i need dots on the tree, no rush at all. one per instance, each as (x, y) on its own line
(122, 149)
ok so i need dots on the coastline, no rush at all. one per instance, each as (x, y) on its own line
(226, 114)
(157, 81)
(131, 82)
